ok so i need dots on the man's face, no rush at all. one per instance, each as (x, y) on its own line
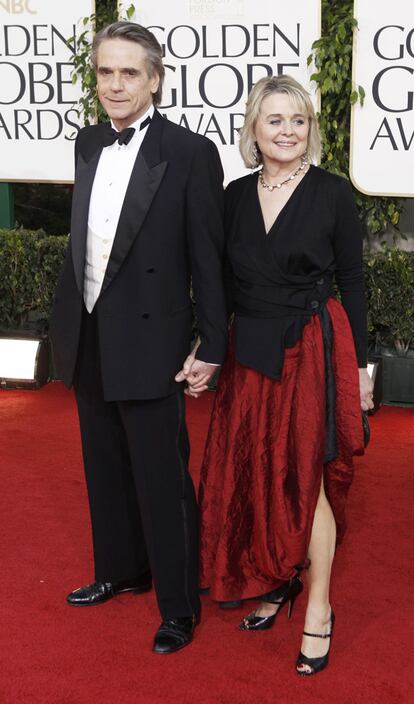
(125, 89)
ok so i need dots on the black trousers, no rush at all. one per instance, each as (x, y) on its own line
(141, 496)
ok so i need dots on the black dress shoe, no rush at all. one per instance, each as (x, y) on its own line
(174, 634)
(99, 592)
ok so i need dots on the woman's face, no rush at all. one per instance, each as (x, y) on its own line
(281, 132)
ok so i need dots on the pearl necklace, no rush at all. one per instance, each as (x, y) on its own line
(271, 188)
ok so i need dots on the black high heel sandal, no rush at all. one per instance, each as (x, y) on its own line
(316, 664)
(287, 593)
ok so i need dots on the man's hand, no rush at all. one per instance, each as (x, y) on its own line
(197, 377)
(196, 373)
(366, 388)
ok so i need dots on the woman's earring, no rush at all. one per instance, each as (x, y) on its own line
(256, 153)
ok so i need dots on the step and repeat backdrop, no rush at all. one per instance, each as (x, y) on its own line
(214, 52)
(39, 116)
(382, 132)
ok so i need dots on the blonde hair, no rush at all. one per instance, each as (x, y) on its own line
(299, 96)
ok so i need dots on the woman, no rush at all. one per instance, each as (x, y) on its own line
(287, 415)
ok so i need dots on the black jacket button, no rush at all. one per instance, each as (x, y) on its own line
(150, 271)
(314, 305)
(320, 281)
(145, 315)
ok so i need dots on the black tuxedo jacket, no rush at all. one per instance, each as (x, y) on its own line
(170, 229)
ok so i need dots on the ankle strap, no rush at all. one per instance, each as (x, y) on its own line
(316, 635)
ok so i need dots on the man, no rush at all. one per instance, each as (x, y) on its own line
(147, 213)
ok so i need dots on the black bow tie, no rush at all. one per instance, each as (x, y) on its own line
(123, 137)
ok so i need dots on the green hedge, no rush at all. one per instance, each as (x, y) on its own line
(389, 280)
(30, 264)
(29, 267)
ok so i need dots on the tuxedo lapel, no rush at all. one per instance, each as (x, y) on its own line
(145, 180)
(85, 174)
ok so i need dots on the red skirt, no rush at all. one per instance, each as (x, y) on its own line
(263, 463)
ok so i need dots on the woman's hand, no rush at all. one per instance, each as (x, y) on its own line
(196, 373)
(184, 373)
(366, 389)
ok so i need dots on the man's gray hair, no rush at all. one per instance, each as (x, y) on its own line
(132, 32)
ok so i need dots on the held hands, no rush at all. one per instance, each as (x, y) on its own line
(196, 373)
(366, 389)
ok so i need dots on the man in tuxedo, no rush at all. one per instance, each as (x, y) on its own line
(146, 216)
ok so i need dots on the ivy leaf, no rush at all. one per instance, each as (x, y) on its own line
(341, 32)
(130, 11)
(326, 85)
(353, 97)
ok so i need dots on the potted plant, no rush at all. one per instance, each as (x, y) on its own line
(29, 266)
(389, 278)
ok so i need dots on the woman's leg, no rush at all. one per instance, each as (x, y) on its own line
(321, 553)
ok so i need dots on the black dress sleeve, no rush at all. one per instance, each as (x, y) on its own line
(349, 274)
(230, 202)
(205, 237)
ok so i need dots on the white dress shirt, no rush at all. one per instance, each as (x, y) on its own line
(107, 197)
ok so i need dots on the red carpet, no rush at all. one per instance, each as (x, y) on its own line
(52, 654)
